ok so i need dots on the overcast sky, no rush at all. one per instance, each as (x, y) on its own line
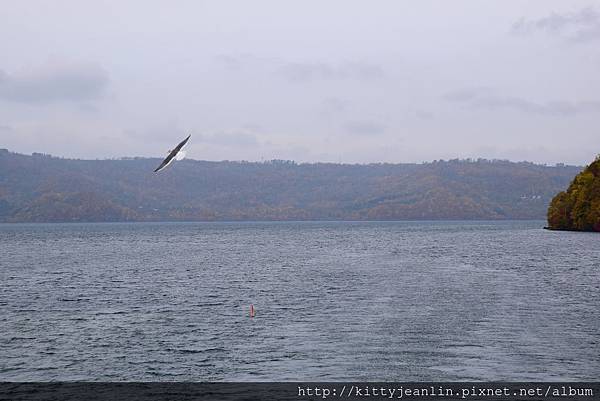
(339, 81)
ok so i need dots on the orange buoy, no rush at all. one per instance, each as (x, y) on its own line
(252, 313)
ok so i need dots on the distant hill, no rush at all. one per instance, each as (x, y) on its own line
(42, 188)
(579, 207)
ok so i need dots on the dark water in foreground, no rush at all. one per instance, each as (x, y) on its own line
(370, 301)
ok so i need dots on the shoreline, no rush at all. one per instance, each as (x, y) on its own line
(570, 230)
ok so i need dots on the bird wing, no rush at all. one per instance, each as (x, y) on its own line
(182, 143)
(167, 160)
(171, 155)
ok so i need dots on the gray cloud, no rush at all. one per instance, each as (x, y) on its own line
(364, 127)
(233, 139)
(74, 82)
(169, 133)
(230, 61)
(355, 70)
(586, 35)
(424, 115)
(252, 127)
(165, 133)
(580, 26)
(333, 106)
(484, 98)
(306, 84)
(238, 62)
(295, 71)
(467, 94)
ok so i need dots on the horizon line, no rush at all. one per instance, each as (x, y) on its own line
(290, 161)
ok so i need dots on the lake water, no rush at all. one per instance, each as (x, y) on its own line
(334, 301)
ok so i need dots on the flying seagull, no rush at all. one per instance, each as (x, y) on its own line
(175, 154)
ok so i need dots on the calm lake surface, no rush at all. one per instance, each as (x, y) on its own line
(334, 301)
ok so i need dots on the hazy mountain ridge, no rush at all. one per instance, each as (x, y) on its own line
(45, 188)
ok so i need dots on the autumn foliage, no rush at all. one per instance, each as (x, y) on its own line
(578, 208)
(42, 188)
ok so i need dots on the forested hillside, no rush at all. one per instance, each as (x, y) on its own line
(578, 208)
(41, 188)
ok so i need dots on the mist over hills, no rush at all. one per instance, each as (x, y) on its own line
(42, 188)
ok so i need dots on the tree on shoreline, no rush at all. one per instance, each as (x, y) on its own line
(578, 208)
